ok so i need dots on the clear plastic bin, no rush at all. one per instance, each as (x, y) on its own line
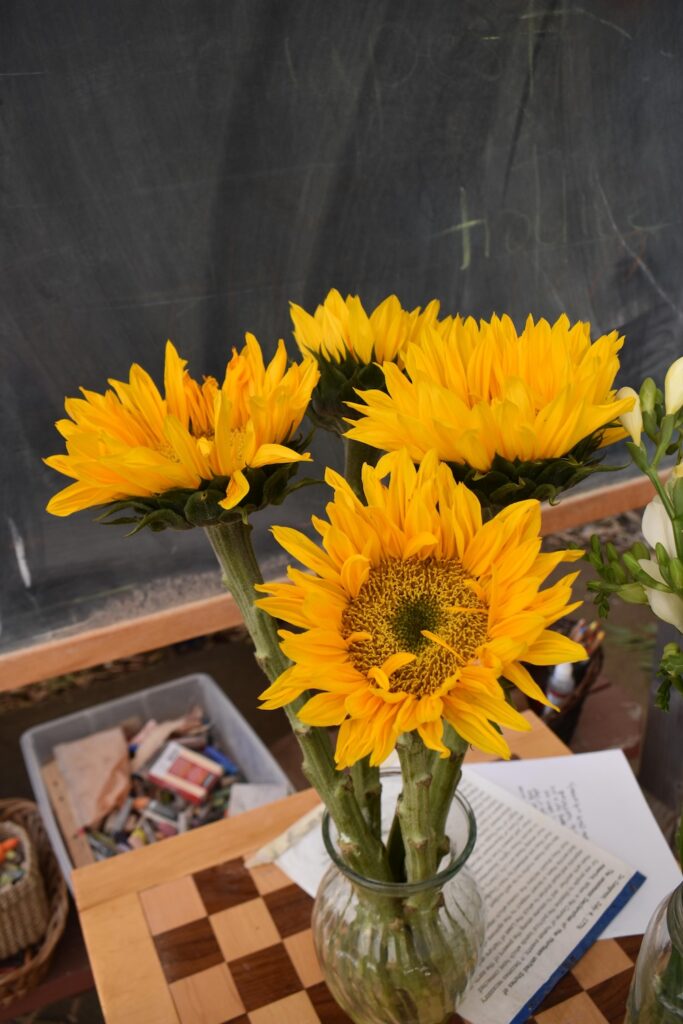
(169, 700)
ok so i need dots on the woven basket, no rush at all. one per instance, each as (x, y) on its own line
(23, 907)
(22, 815)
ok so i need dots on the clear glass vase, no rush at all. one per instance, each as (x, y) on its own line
(656, 995)
(400, 953)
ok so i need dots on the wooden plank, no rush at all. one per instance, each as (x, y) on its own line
(128, 975)
(596, 504)
(119, 640)
(202, 848)
(77, 844)
(123, 639)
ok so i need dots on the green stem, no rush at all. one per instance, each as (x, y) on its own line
(231, 542)
(368, 790)
(414, 808)
(356, 454)
(446, 776)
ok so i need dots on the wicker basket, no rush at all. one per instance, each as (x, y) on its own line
(22, 816)
(23, 907)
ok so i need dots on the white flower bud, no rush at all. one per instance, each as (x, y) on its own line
(658, 528)
(667, 607)
(633, 420)
(673, 387)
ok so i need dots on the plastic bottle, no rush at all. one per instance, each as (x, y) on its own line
(560, 688)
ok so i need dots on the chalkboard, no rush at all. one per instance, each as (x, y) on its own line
(183, 168)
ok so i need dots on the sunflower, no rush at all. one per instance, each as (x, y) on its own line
(347, 344)
(132, 446)
(526, 410)
(412, 611)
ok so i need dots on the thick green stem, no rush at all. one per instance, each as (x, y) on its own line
(356, 453)
(368, 790)
(414, 808)
(446, 776)
(231, 542)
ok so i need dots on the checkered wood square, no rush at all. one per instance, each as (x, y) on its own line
(235, 946)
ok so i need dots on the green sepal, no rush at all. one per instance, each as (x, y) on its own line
(507, 481)
(632, 593)
(676, 574)
(639, 455)
(161, 519)
(202, 507)
(338, 384)
(181, 509)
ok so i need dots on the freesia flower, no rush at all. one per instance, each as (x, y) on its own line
(673, 387)
(658, 529)
(632, 420)
(133, 443)
(412, 609)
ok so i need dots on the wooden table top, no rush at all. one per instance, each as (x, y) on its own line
(182, 932)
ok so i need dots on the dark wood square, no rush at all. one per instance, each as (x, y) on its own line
(631, 945)
(264, 977)
(565, 988)
(610, 996)
(225, 885)
(188, 949)
(290, 908)
(325, 1006)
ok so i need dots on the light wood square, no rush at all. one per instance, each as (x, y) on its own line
(302, 954)
(602, 961)
(296, 1009)
(244, 929)
(172, 904)
(268, 878)
(209, 997)
(578, 1010)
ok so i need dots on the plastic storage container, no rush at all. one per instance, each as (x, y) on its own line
(169, 700)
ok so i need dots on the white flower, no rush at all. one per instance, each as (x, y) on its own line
(667, 607)
(658, 528)
(673, 387)
(633, 420)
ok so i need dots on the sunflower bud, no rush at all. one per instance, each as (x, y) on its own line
(673, 387)
(633, 420)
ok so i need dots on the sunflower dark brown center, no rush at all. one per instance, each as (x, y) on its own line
(397, 602)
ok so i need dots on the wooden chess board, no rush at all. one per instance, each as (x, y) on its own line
(236, 946)
(183, 933)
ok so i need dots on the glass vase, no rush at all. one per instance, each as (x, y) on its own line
(401, 953)
(656, 995)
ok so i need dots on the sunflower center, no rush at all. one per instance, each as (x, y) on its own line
(398, 601)
(411, 618)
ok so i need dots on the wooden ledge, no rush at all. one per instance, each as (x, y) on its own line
(123, 639)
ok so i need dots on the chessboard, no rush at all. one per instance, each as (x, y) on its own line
(235, 945)
(182, 932)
